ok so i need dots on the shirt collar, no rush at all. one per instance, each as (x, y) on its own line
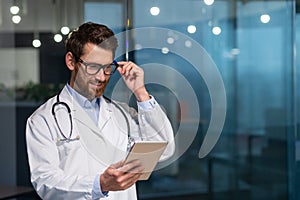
(81, 100)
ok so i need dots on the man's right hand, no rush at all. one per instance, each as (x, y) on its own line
(120, 176)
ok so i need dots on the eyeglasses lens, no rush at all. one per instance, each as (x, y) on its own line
(93, 69)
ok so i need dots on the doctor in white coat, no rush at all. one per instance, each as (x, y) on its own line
(77, 140)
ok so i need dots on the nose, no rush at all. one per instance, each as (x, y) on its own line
(100, 75)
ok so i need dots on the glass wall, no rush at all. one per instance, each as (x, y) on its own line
(225, 72)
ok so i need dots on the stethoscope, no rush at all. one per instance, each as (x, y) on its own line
(68, 138)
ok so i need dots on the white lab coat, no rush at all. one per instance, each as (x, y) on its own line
(66, 170)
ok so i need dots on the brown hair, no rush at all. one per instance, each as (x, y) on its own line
(90, 32)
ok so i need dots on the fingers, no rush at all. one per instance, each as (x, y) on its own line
(133, 77)
(118, 164)
(129, 70)
(124, 67)
(130, 181)
(121, 178)
(131, 173)
(132, 167)
(127, 170)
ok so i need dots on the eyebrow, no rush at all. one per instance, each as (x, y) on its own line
(95, 63)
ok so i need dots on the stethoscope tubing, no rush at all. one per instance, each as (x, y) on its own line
(68, 138)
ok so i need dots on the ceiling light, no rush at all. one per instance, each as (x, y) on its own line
(14, 10)
(216, 30)
(58, 37)
(138, 47)
(170, 40)
(165, 50)
(208, 2)
(16, 19)
(191, 29)
(65, 30)
(235, 51)
(188, 43)
(36, 43)
(265, 18)
(154, 11)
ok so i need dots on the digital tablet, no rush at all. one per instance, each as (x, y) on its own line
(148, 152)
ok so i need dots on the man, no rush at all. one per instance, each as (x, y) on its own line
(77, 140)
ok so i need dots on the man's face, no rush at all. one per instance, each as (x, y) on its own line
(91, 86)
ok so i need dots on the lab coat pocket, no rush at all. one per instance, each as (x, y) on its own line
(72, 152)
(68, 149)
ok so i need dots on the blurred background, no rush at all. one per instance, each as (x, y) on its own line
(253, 44)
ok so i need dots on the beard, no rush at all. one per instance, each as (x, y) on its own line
(82, 87)
(99, 91)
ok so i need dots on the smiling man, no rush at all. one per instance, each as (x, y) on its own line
(77, 141)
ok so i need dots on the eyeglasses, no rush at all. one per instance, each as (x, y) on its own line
(94, 68)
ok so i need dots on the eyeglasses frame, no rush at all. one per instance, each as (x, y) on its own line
(87, 63)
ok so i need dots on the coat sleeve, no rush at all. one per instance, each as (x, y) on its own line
(48, 179)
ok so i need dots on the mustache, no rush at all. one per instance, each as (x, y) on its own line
(96, 82)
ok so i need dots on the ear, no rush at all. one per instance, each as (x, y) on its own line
(70, 61)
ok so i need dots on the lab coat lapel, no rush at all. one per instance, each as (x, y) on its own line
(80, 115)
(105, 113)
(77, 112)
(91, 136)
(104, 116)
